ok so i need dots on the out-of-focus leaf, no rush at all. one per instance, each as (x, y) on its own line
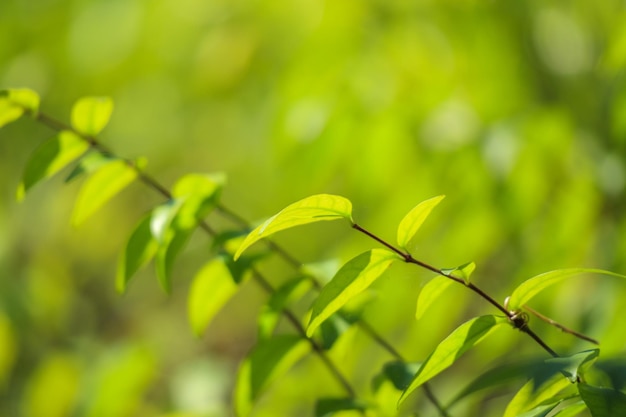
(541, 410)
(331, 330)
(531, 287)
(104, 184)
(400, 374)
(91, 114)
(452, 347)
(8, 353)
(575, 365)
(572, 410)
(200, 194)
(50, 157)
(14, 102)
(140, 248)
(430, 293)
(311, 209)
(354, 277)
(534, 393)
(88, 164)
(269, 360)
(464, 271)
(326, 407)
(603, 402)
(411, 223)
(281, 298)
(212, 287)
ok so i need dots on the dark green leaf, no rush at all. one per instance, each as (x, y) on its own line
(326, 407)
(88, 164)
(603, 402)
(140, 248)
(400, 374)
(575, 365)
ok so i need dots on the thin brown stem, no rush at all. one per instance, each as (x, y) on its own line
(560, 326)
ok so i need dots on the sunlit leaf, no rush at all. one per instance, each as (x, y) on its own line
(411, 223)
(50, 157)
(354, 277)
(452, 347)
(541, 410)
(327, 407)
(311, 209)
(603, 402)
(572, 410)
(269, 360)
(531, 287)
(212, 287)
(91, 114)
(104, 184)
(284, 295)
(430, 293)
(15, 102)
(464, 271)
(534, 393)
(140, 248)
(199, 194)
(88, 164)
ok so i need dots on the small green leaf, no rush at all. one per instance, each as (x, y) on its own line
(400, 373)
(531, 287)
(88, 164)
(50, 157)
(281, 298)
(411, 223)
(269, 360)
(327, 407)
(464, 271)
(199, 194)
(104, 184)
(91, 114)
(452, 347)
(354, 277)
(172, 245)
(140, 248)
(14, 102)
(212, 287)
(575, 365)
(535, 392)
(430, 293)
(311, 209)
(603, 402)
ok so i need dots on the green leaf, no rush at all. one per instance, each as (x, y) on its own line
(603, 402)
(575, 365)
(464, 271)
(572, 410)
(316, 208)
(91, 114)
(531, 287)
(200, 194)
(326, 407)
(49, 158)
(400, 373)
(452, 347)
(411, 223)
(430, 293)
(354, 277)
(140, 248)
(88, 164)
(15, 102)
(281, 298)
(212, 287)
(104, 184)
(269, 360)
(535, 392)
(541, 410)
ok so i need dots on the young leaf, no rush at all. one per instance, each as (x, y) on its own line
(88, 164)
(104, 184)
(535, 392)
(140, 248)
(327, 407)
(572, 410)
(411, 223)
(541, 410)
(464, 271)
(282, 297)
(311, 209)
(531, 287)
(430, 293)
(14, 102)
(603, 402)
(50, 157)
(91, 114)
(269, 360)
(354, 277)
(199, 194)
(452, 347)
(212, 287)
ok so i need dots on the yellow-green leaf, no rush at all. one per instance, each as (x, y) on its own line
(354, 277)
(212, 287)
(311, 209)
(452, 347)
(104, 184)
(464, 271)
(50, 157)
(140, 248)
(199, 193)
(430, 293)
(15, 102)
(411, 223)
(91, 114)
(531, 287)
(535, 392)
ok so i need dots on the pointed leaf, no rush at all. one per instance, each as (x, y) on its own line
(199, 194)
(311, 209)
(452, 347)
(603, 402)
(281, 298)
(172, 245)
(430, 293)
(464, 271)
(14, 102)
(88, 164)
(140, 248)
(104, 184)
(327, 407)
(531, 287)
(212, 287)
(91, 114)
(269, 360)
(575, 365)
(354, 277)
(50, 157)
(411, 223)
(541, 410)
(535, 392)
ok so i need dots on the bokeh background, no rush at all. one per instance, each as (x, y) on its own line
(515, 110)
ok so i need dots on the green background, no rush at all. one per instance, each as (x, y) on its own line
(515, 110)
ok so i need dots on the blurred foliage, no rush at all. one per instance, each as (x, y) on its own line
(516, 110)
